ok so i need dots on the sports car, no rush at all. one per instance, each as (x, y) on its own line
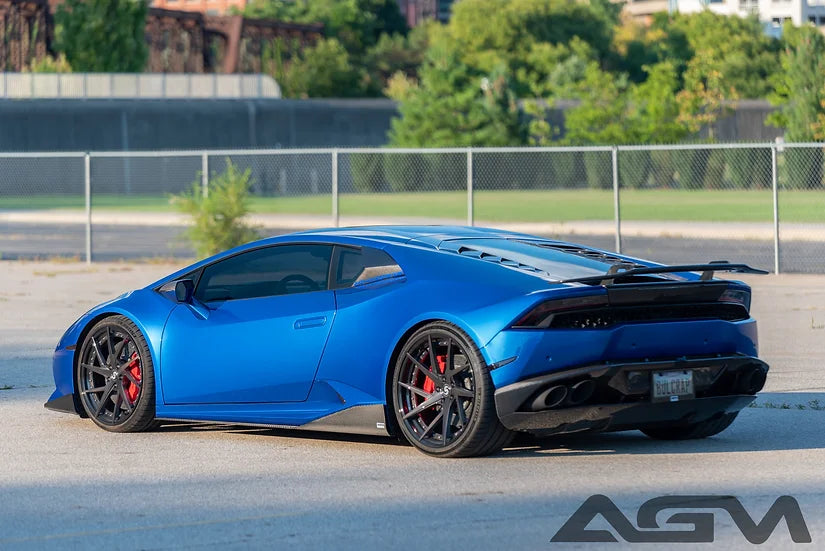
(453, 338)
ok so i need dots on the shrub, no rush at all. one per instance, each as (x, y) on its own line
(714, 177)
(218, 218)
(567, 170)
(662, 168)
(803, 168)
(407, 171)
(690, 165)
(634, 167)
(598, 169)
(367, 171)
(749, 167)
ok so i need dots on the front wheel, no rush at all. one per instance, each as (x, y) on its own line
(443, 395)
(115, 378)
(694, 431)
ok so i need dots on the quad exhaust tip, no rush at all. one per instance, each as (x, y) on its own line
(581, 392)
(550, 398)
(568, 395)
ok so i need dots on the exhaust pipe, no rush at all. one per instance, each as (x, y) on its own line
(581, 392)
(549, 398)
(751, 381)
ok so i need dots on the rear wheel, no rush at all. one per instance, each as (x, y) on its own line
(693, 431)
(443, 395)
(115, 378)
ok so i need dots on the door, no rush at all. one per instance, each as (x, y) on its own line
(255, 331)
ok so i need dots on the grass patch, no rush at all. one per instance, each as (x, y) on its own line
(499, 206)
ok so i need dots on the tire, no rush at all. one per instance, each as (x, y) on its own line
(457, 381)
(693, 431)
(115, 377)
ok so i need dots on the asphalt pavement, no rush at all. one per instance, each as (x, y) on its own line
(65, 484)
(151, 242)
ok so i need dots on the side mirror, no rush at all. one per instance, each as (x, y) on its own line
(184, 289)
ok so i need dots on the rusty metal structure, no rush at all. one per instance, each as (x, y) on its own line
(179, 41)
(25, 31)
(237, 44)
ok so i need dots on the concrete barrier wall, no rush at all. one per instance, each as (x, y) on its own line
(133, 125)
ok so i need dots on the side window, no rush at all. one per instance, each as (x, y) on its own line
(269, 271)
(358, 265)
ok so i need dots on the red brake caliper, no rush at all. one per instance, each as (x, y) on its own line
(429, 384)
(133, 367)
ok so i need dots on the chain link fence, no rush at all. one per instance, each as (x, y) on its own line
(763, 204)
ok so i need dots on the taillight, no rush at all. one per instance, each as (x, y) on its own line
(541, 315)
(737, 296)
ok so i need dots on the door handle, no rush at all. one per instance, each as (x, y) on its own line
(306, 323)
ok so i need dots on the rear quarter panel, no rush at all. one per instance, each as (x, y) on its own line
(480, 298)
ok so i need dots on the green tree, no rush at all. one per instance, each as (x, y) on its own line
(491, 34)
(800, 87)
(736, 47)
(323, 70)
(395, 53)
(636, 45)
(706, 94)
(614, 111)
(800, 95)
(455, 105)
(102, 35)
(357, 24)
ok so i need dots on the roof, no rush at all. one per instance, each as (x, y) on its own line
(432, 235)
(542, 257)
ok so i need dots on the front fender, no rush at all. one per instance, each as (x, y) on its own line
(145, 308)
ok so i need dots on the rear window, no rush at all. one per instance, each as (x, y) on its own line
(361, 265)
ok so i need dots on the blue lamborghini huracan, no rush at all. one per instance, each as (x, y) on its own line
(452, 338)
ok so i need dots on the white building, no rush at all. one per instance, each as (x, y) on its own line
(771, 12)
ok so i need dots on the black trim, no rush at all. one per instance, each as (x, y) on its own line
(332, 277)
(630, 416)
(364, 419)
(64, 404)
(626, 386)
(707, 270)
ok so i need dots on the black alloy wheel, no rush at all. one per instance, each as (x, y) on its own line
(115, 378)
(443, 395)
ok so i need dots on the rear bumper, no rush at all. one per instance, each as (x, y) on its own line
(620, 399)
(624, 416)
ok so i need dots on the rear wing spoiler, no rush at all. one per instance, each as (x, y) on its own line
(624, 269)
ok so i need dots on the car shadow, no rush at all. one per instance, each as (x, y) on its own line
(775, 421)
(174, 426)
(762, 427)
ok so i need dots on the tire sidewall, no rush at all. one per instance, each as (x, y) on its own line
(481, 379)
(145, 404)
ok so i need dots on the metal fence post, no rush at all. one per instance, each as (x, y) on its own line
(87, 180)
(205, 174)
(470, 195)
(616, 212)
(335, 219)
(775, 186)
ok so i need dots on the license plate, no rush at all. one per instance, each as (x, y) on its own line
(672, 386)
